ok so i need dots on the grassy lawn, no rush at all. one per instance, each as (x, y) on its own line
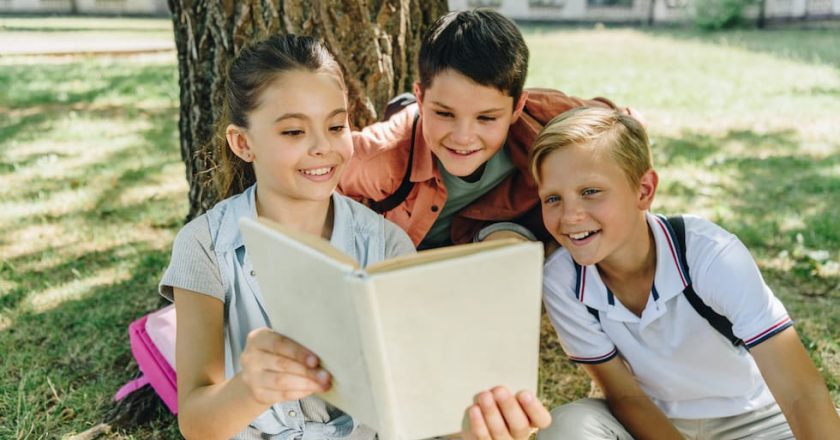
(92, 191)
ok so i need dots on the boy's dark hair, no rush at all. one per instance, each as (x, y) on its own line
(480, 44)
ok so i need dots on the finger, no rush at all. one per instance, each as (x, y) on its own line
(517, 422)
(492, 416)
(269, 388)
(536, 412)
(475, 428)
(265, 339)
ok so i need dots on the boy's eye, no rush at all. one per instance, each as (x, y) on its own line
(292, 133)
(551, 199)
(443, 114)
(486, 118)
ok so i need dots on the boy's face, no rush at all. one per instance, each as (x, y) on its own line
(465, 123)
(590, 207)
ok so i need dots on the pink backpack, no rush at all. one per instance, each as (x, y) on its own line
(152, 339)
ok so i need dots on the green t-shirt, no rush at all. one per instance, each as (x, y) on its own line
(461, 193)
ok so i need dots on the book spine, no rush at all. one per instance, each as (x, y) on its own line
(373, 346)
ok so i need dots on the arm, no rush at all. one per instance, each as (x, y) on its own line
(274, 369)
(797, 386)
(628, 403)
(497, 414)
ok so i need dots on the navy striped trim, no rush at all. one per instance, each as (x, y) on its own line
(769, 333)
(579, 282)
(610, 297)
(594, 360)
(655, 293)
(674, 246)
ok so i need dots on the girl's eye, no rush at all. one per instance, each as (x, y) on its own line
(551, 199)
(486, 118)
(444, 114)
(292, 133)
(590, 192)
(337, 128)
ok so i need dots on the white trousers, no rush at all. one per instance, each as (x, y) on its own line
(591, 419)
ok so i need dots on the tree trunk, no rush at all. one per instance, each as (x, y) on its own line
(375, 40)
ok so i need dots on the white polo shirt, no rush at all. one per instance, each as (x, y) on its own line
(687, 367)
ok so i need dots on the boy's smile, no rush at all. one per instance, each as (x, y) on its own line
(465, 123)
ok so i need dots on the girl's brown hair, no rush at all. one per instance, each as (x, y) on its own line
(249, 74)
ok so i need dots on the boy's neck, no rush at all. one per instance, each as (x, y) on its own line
(630, 276)
(311, 217)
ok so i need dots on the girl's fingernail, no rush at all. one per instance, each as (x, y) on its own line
(526, 397)
(323, 377)
(311, 360)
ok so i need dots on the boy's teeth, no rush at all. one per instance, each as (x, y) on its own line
(580, 235)
(317, 171)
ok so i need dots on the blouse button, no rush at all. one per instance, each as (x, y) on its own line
(292, 413)
(253, 273)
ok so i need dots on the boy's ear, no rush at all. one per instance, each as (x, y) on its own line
(238, 142)
(418, 93)
(519, 106)
(647, 189)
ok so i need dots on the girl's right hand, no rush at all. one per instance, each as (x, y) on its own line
(276, 368)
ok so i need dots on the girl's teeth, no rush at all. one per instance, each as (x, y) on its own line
(580, 235)
(316, 172)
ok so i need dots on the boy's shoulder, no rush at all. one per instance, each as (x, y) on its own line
(559, 271)
(384, 137)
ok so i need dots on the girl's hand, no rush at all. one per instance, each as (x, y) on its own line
(276, 368)
(497, 414)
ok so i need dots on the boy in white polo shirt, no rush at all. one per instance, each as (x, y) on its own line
(670, 317)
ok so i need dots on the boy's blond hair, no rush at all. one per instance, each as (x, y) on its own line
(622, 136)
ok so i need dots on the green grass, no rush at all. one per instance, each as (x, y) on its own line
(92, 191)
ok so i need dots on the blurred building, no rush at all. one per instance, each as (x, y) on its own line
(586, 11)
(644, 11)
(87, 7)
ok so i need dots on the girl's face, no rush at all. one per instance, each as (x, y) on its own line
(297, 139)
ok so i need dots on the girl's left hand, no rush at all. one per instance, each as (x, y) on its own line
(498, 414)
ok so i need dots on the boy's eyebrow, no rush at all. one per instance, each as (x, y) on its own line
(303, 116)
(446, 107)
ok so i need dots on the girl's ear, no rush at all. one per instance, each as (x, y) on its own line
(519, 105)
(238, 142)
(647, 189)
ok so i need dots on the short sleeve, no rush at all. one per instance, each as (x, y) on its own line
(726, 277)
(580, 333)
(396, 241)
(193, 265)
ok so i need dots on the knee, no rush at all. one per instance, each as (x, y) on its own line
(582, 419)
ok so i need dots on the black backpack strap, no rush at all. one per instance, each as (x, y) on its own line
(398, 196)
(718, 321)
(578, 269)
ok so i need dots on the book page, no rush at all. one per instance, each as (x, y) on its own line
(307, 298)
(439, 254)
(455, 327)
(316, 243)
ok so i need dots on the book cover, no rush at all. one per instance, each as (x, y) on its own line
(410, 340)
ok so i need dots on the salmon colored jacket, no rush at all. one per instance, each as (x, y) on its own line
(380, 159)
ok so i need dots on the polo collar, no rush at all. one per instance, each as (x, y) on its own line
(670, 279)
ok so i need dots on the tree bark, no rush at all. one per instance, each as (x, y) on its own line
(375, 40)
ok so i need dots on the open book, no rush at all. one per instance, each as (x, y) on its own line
(409, 341)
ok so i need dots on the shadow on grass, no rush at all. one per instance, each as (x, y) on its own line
(84, 356)
(80, 83)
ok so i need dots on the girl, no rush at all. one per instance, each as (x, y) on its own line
(287, 137)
